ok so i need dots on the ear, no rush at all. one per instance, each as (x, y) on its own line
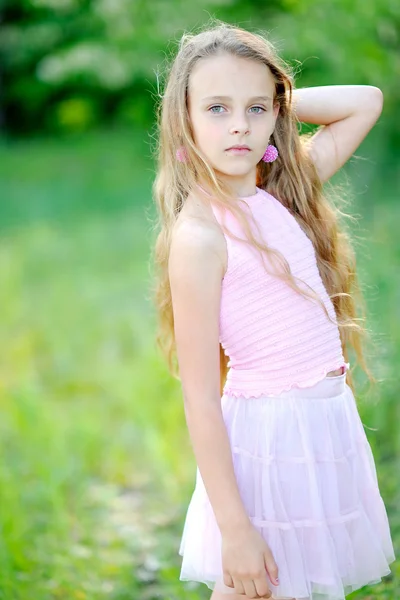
(276, 109)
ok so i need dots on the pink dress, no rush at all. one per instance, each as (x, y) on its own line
(303, 464)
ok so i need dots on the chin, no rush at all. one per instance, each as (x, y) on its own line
(240, 168)
(237, 172)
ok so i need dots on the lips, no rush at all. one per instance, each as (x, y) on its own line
(238, 148)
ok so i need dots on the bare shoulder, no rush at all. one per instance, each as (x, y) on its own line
(198, 236)
(195, 273)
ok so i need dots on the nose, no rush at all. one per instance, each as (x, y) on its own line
(240, 125)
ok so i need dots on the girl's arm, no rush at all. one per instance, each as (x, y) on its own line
(195, 273)
(346, 112)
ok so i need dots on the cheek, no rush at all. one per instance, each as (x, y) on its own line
(209, 131)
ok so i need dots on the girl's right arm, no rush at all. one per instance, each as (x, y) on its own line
(195, 272)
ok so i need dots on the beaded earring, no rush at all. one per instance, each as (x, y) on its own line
(181, 154)
(270, 154)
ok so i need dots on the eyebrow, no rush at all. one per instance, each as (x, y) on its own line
(225, 98)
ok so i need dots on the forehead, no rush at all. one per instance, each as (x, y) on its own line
(233, 76)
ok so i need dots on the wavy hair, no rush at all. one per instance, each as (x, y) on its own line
(292, 180)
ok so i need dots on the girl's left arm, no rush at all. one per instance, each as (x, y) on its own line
(346, 112)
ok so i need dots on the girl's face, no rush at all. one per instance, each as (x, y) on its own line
(230, 102)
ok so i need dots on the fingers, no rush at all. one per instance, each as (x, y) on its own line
(239, 586)
(228, 581)
(251, 588)
(261, 586)
(271, 567)
(251, 591)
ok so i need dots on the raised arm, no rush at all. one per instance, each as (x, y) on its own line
(346, 112)
(196, 271)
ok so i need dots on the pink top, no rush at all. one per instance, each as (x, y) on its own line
(275, 338)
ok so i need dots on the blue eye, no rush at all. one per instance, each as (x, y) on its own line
(215, 112)
(216, 106)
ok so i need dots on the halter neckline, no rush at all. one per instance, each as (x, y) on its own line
(252, 197)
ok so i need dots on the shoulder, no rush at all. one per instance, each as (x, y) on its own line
(197, 239)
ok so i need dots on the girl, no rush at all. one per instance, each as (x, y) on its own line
(256, 296)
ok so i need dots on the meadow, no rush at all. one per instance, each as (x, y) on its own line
(97, 467)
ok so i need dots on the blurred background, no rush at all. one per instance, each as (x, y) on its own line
(96, 466)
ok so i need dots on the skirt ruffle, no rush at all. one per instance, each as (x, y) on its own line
(307, 479)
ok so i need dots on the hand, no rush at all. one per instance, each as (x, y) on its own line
(247, 560)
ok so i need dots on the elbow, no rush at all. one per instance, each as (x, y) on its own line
(376, 100)
(201, 402)
(198, 394)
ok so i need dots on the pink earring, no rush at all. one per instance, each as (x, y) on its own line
(181, 154)
(270, 154)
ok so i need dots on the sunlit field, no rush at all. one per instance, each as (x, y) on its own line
(97, 467)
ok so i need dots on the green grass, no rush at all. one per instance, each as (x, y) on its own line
(97, 467)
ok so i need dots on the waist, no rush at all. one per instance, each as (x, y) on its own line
(339, 371)
(255, 383)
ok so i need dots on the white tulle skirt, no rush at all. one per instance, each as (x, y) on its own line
(307, 478)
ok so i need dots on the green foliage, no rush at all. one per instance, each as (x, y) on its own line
(71, 64)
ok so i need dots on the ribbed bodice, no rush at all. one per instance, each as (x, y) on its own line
(275, 338)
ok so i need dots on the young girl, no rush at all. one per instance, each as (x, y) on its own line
(256, 296)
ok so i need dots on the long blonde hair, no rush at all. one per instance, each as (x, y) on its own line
(292, 179)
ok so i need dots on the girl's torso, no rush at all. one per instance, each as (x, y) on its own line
(274, 321)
